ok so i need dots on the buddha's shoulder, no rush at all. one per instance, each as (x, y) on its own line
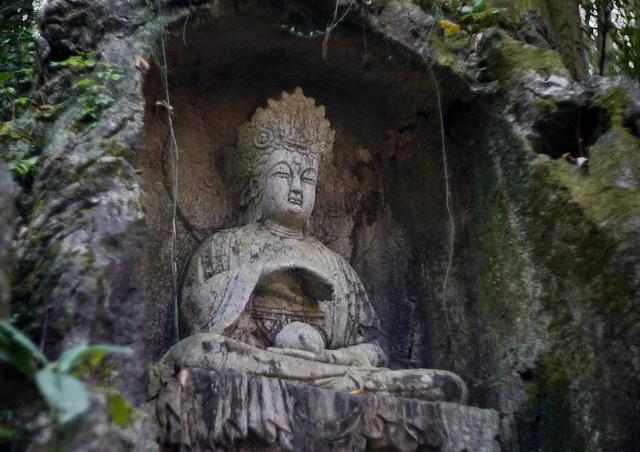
(325, 250)
(231, 237)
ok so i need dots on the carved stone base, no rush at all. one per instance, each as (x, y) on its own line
(209, 410)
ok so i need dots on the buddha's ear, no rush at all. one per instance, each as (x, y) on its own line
(254, 188)
(250, 192)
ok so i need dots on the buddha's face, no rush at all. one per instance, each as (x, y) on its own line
(289, 188)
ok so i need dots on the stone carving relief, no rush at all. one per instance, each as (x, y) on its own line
(267, 302)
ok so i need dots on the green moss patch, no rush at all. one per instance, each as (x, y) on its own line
(504, 58)
(549, 409)
(615, 101)
(608, 193)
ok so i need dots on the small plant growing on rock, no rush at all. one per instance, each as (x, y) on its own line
(57, 381)
(479, 15)
(23, 168)
(474, 15)
(93, 97)
(91, 92)
(78, 63)
(17, 50)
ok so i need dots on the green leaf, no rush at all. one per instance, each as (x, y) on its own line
(120, 410)
(82, 84)
(82, 352)
(31, 161)
(18, 350)
(4, 76)
(97, 89)
(23, 167)
(64, 393)
(6, 434)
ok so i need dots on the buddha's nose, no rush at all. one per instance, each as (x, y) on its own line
(296, 185)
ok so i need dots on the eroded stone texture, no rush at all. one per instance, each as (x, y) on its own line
(234, 411)
(8, 192)
(83, 211)
(542, 296)
(565, 239)
(343, 373)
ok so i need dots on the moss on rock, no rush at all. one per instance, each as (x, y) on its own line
(608, 193)
(549, 409)
(504, 58)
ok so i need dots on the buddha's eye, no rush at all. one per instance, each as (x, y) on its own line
(282, 171)
(309, 177)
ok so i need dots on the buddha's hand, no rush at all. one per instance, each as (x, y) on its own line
(324, 356)
(303, 354)
(362, 355)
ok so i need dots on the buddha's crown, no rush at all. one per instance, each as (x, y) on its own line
(293, 123)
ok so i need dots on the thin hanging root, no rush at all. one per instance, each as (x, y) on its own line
(161, 62)
(452, 225)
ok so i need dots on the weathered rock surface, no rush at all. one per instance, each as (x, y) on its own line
(541, 317)
(8, 193)
(558, 249)
(233, 411)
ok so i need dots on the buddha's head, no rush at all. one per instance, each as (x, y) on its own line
(280, 151)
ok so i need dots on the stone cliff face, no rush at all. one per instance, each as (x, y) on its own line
(7, 208)
(540, 315)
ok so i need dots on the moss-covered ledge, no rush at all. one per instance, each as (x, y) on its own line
(559, 249)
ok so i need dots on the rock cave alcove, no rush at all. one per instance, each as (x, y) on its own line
(533, 305)
(381, 198)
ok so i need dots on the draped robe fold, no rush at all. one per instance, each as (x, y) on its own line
(225, 270)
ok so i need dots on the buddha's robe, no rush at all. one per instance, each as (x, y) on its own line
(228, 278)
(225, 271)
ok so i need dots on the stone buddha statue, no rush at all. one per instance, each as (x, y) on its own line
(267, 299)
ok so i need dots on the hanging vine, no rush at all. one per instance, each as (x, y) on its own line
(160, 59)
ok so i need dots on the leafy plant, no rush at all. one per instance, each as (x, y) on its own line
(57, 381)
(93, 97)
(612, 36)
(80, 62)
(479, 14)
(92, 91)
(17, 50)
(475, 15)
(13, 131)
(120, 411)
(23, 168)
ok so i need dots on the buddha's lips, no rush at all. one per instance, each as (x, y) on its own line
(297, 200)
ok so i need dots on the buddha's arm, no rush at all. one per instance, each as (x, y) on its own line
(363, 355)
(215, 305)
(369, 354)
